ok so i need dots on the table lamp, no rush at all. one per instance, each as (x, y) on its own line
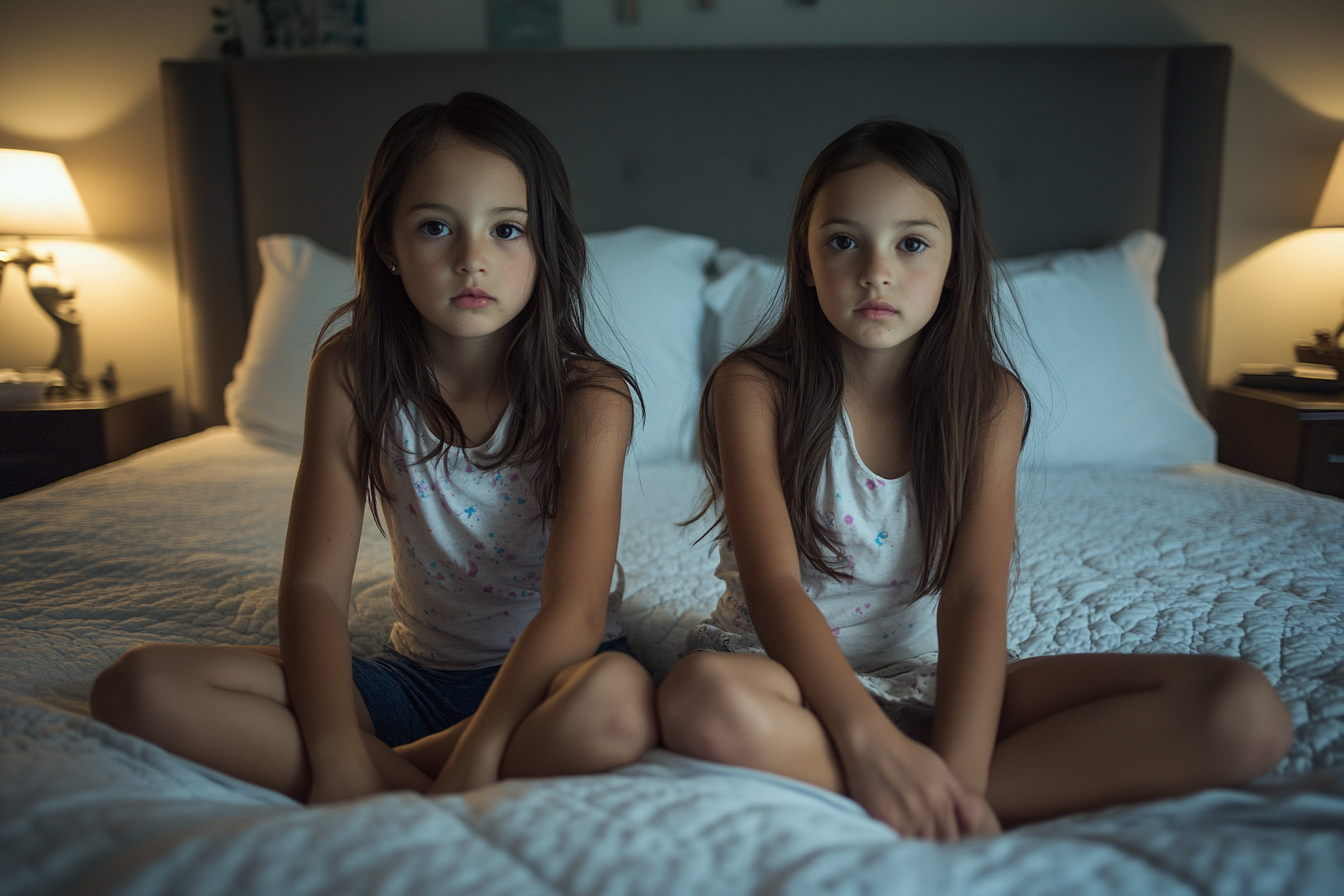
(38, 198)
(1329, 213)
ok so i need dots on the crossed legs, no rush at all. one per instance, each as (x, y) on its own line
(1090, 730)
(227, 707)
(596, 715)
(1076, 732)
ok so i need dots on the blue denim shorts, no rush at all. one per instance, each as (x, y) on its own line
(409, 701)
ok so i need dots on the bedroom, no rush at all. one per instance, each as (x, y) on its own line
(82, 81)
(1278, 151)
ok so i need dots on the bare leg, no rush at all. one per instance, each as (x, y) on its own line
(1080, 732)
(429, 753)
(748, 710)
(745, 710)
(1076, 732)
(597, 714)
(228, 708)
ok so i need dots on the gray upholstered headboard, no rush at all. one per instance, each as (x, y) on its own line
(1072, 147)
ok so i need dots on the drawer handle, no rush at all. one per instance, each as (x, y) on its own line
(1335, 458)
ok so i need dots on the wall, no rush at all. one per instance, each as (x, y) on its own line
(81, 79)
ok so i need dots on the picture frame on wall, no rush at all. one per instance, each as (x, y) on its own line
(524, 23)
(263, 27)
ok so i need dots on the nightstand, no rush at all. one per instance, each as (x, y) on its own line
(49, 440)
(1293, 437)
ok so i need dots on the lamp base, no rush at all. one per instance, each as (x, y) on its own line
(55, 294)
(78, 389)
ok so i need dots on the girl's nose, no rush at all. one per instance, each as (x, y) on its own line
(877, 273)
(469, 258)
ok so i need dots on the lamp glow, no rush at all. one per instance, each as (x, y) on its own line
(1330, 211)
(1326, 348)
(37, 196)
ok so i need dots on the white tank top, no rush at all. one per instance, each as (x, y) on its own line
(467, 550)
(870, 612)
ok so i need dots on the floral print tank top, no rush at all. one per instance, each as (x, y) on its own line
(467, 550)
(870, 611)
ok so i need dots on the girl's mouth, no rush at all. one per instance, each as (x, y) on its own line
(472, 298)
(875, 310)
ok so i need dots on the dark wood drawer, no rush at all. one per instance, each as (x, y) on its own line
(1287, 436)
(49, 440)
(1321, 466)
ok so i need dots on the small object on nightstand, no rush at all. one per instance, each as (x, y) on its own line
(27, 385)
(1317, 378)
(108, 380)
(1324, 350)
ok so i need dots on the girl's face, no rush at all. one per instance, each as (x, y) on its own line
(878, 245)
(459, 241)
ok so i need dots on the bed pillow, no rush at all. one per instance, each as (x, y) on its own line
(1104, 385)
(743, 296)
(648, 312)
(301, 283)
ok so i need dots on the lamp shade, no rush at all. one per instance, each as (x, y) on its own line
(37, 196)
(1330, 213)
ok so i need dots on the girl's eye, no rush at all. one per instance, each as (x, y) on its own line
(434, 228)
(912, 244)
(843, 242)
(507, 231)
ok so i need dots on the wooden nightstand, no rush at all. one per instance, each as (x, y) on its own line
(1293, 437)
(49, 440)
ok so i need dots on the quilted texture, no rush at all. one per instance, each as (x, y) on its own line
(183, 543)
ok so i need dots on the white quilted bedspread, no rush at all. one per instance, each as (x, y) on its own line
(183, 543)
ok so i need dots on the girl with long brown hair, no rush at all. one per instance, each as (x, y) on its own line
(465, 406)
(863, 453)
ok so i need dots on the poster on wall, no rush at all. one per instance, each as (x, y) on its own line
(260, 27)
(524, 23)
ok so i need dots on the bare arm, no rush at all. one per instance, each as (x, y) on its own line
(895, 779)
(791, 628)
(321, 546)
(575, 583)
(972, 611)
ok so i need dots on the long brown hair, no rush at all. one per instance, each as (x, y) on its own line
(386, 362)
(954, 382)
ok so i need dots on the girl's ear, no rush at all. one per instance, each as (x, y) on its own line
(385, 254)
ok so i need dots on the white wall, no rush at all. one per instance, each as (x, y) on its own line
(81, 79)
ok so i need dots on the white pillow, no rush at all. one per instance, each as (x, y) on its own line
(301, 283)
(743, 298)
(647, 314)
(1105, 387)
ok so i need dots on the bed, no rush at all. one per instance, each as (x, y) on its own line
(1100, 171)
